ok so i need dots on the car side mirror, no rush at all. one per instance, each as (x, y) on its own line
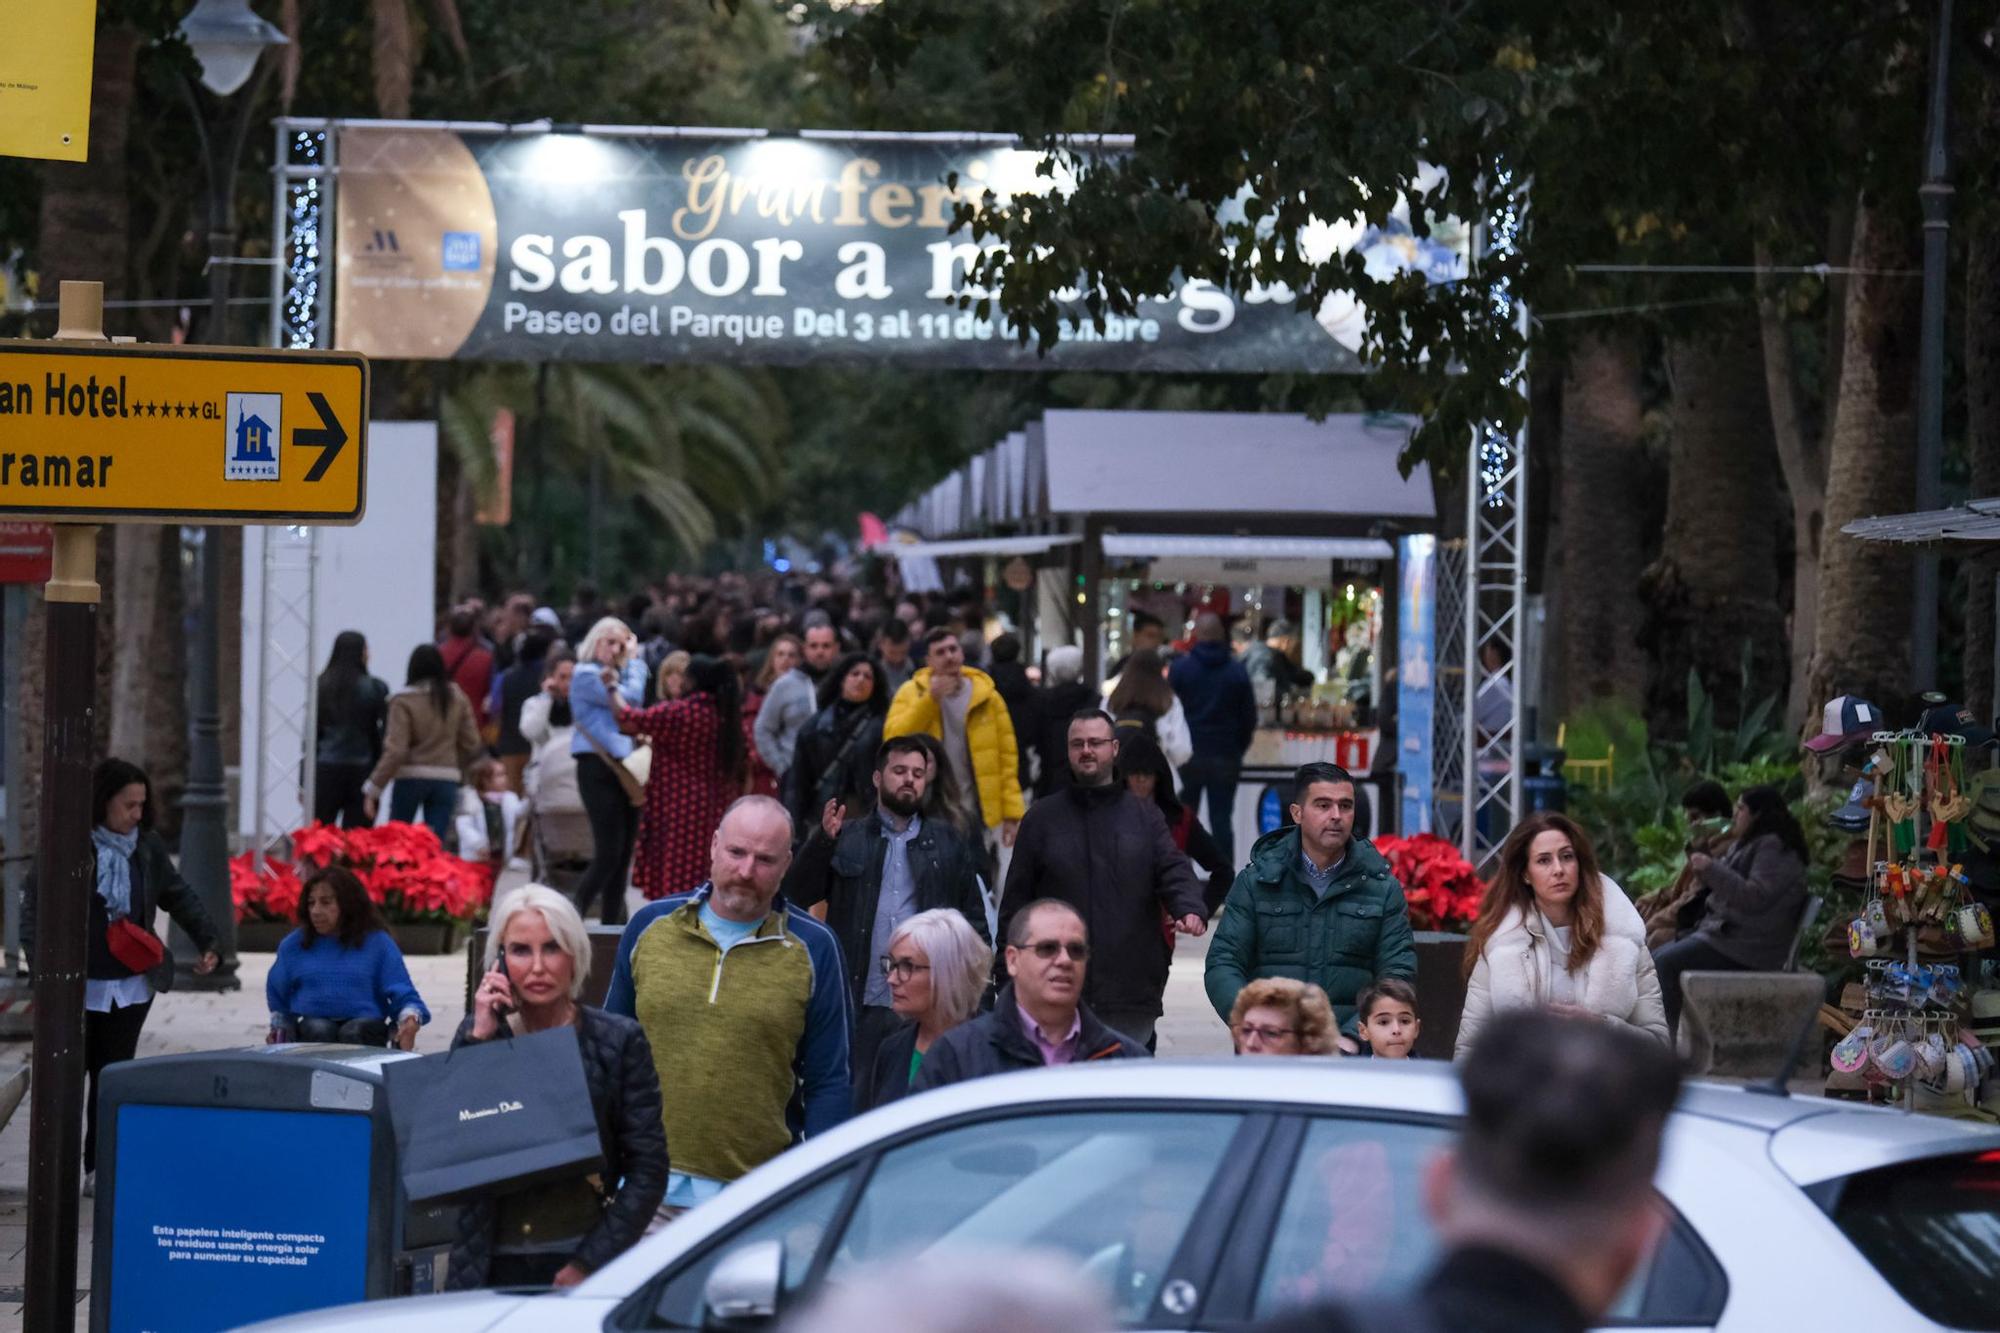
(743, 1288)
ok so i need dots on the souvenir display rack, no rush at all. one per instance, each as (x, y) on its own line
(1919, 913)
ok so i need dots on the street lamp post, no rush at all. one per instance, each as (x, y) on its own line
(229, 42)
(1935, 197)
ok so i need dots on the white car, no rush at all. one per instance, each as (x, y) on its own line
(1206, 1194)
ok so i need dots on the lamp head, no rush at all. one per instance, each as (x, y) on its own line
(227, 39)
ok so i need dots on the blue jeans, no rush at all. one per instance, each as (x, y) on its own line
(1215, 777)
(435, 798)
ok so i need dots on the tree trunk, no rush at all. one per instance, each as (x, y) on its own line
(85, 207)
(1863, 643)
(135, 564)
(1713, 592)
(1982, 411)
(1604, 484)
(1802, 461)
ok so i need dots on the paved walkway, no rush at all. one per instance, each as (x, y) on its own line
(192, 1021)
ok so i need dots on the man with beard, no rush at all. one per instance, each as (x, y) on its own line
(876, 871)
(743, 1002)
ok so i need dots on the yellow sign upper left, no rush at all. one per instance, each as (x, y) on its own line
(141, 434)
(45, 79)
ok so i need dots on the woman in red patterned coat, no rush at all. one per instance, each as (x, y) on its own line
(697, 771)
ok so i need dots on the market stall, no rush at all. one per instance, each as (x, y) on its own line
(1258, 516)
(1918, 934)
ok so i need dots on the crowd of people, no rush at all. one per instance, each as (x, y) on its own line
(881, 857)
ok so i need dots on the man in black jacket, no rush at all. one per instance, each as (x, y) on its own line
(1105, 852)
(1545, 1205)
(1040, 1019)
(876, 871)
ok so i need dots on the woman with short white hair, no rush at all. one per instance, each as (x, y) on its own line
(558, 1233)
(937, 968)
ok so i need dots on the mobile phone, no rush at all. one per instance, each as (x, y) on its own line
(500, 966)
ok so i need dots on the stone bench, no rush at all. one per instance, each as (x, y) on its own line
(1743, 1024)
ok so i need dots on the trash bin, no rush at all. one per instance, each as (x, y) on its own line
(240, 1185)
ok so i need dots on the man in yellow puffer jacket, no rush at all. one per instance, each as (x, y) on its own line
(959, 705)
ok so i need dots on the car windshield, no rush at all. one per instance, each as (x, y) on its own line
(1932, 1230)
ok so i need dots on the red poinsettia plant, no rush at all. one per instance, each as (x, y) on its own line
(406, 870)
(1440, 885)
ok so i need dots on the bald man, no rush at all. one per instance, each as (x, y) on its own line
(744, 1003)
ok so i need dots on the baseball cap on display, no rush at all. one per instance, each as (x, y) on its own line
(1845, 719)
(1853, 816)
(1954, 720)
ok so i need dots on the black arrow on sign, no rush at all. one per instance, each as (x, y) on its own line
(327, 437)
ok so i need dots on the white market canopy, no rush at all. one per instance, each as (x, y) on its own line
(1270, 473)
(1231, 463)
(1973, 521)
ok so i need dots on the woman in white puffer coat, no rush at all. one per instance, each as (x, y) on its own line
(1554, 933)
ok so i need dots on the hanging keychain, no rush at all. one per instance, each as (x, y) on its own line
(1899, 806)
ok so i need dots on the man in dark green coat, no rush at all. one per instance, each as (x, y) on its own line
(1315, 904)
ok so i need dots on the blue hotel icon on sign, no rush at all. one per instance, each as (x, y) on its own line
(251, 429)
(461, 251)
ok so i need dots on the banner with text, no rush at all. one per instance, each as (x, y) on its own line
(667, 246)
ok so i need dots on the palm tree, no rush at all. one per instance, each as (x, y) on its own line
(696, 445)
(395, 48)
(1863, 641)
(1603, 478)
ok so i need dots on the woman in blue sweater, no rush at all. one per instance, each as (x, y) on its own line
(340, 976)
(610, 672)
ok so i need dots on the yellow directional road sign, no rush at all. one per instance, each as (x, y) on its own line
(147, 434)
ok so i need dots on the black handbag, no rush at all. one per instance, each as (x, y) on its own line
(498, 1115)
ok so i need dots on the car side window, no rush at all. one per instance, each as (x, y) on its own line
(1114, 1190)
(1353, 1224)
(1682, 1285)
(800, 1221)
(1353, 1221)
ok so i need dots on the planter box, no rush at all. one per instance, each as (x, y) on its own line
(1440, 991)
(261, 936)
(425, 938)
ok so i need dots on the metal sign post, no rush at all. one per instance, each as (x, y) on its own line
(67, 878)
(91, 432)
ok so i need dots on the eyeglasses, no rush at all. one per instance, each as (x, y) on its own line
(902, 969)
(1048, 949)
(1091, 742)
(1248, 1030)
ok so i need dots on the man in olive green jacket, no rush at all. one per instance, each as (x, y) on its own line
(1315, 904)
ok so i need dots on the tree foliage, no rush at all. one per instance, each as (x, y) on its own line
(1651, 132)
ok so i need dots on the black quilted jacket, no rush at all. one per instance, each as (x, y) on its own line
(618, 1066)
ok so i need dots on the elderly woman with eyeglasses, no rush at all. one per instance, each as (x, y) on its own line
(937, 968)
(1279, 1016)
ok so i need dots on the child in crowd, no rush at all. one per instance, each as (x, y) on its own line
(489, 815)
(1387, 1012)
(340, 976)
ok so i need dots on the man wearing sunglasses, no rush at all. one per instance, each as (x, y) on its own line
(1108, 854)
(1040, 1017)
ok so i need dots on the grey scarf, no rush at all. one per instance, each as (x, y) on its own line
(114, 868)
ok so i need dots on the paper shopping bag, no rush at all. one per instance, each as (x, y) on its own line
(497, 1115)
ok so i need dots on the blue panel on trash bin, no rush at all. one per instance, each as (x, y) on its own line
(224, 1217)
